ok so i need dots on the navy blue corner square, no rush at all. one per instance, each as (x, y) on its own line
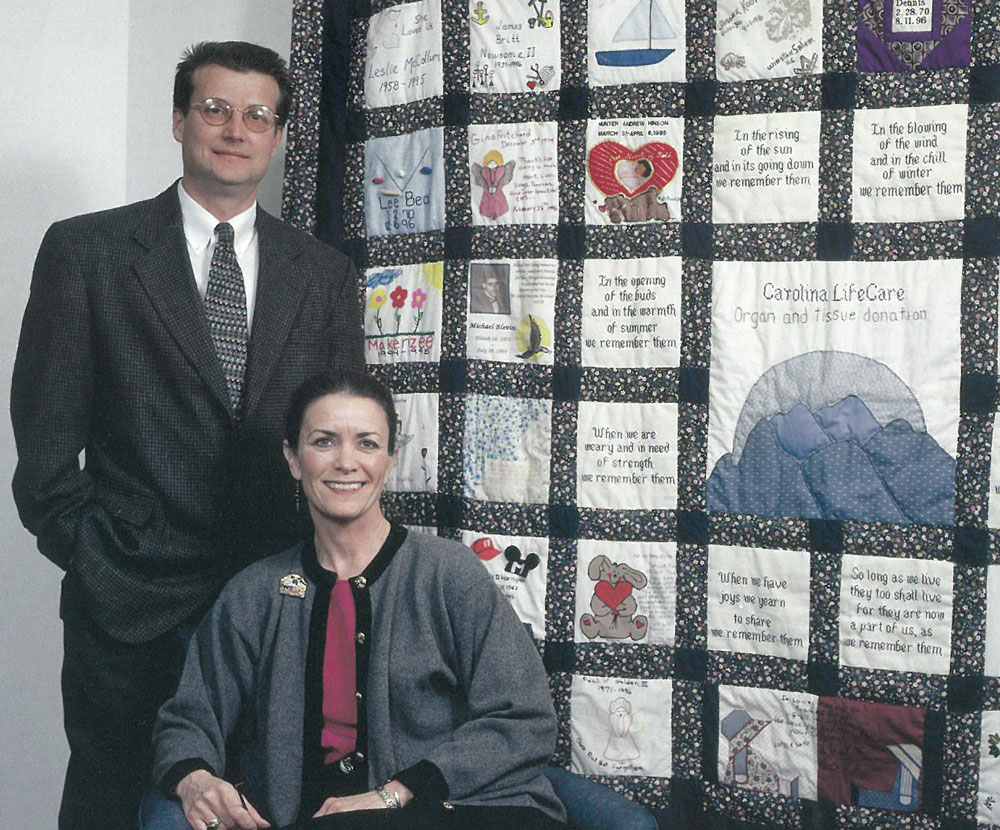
(699, 98)
(692, 527)
(354, 122)
(566, 382)
(690, 664)
(978, 393)
(823, 679)
(972, 545)
(458, 243)
(839, 90)
(984, 84)
(455, 106)
(982, 237)
(564, 521)
(454, 375)
(965, 694)
(826, 535)
(450, 511)
(834, 240)
(686, 793)
(692, 386)
(818, 815)
(572, 243)
(574, 103)
(558, 657)
(356, 250)
(359, 9)
(697, 240)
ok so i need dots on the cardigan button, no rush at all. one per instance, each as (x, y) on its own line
(358, 695)
(360, 756)
(346, 766)
(360, 637)
(360, 582)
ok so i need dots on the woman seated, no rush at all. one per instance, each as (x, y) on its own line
(369, 668)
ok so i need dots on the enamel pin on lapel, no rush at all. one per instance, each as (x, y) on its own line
(292, 585)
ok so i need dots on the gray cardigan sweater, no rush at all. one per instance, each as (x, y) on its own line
(454, 683)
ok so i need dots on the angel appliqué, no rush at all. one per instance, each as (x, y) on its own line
(492, 176)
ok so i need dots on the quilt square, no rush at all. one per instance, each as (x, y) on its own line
(519, 566)
(514, 169)
(511, 310)
(403, 313)
(416, 444)
(620, 726)
(635, 41)
(834, 390)
(630, 314)
(626, 455)
(404, 183)
(909, 35)
(507, 449)
(756, 39)
(626, 592)
(758, 601)
(403, 54)
(515, 46)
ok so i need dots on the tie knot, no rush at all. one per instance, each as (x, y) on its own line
(225, 233)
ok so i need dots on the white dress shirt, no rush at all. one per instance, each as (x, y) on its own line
(199, 231)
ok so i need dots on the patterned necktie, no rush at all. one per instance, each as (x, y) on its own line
(226, 309)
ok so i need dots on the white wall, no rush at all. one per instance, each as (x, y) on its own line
(85, 125)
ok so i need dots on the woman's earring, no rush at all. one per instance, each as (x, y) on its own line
(298, 496)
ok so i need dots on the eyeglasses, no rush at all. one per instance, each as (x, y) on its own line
(257, 117)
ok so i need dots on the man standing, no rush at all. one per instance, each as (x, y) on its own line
(163, 339)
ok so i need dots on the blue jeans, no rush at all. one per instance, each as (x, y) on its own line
(160, 812)
(590, 806)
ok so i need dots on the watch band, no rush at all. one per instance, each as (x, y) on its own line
(391, 800)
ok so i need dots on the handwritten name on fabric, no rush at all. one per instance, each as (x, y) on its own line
(403, 54)
(404, 183)
(514, 46)
(403, 313)
(755, 39)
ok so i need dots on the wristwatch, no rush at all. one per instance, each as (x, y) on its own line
(391, 800)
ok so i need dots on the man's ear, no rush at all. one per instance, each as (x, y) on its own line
(178, 128)
(292, 459)
(279, 132)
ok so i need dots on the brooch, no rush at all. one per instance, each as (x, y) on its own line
(292, 585)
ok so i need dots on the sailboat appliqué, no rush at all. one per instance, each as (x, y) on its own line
(645, 22)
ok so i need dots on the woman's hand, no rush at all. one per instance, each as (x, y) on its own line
(206, 798)
(370, 800)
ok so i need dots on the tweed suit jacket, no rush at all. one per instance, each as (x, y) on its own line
(115, 358)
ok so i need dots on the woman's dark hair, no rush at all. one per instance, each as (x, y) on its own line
(238, 56)
(339, 381)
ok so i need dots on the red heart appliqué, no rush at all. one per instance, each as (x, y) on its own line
(613, 595)
(531, 84)
(604, 158)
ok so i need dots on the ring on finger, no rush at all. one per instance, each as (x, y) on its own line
(214, 824)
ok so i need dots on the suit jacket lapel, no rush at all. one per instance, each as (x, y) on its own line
(166, 275)
(281, 283)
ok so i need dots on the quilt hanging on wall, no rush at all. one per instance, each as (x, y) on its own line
(691, 310)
